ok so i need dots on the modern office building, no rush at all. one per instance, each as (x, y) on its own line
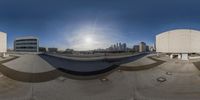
(3, 43)
(179, 42)
(26, 44)
(142, 47)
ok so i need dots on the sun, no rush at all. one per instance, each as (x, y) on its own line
(88, 40)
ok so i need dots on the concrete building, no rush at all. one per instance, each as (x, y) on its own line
(142, 47)
(147, 48)
(42, 49)
(179, 42)
(3, 43)
(53, 50)
(136, 48)
(26, 44)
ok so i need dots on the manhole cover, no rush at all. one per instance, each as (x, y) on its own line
(1, 75)
(168, 73)
(119, 70)
(104, 79)
(61, 79)
(176, 62)
(161, 79)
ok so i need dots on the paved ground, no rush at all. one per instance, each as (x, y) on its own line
(182, 83)
(144, 63)
(82, 66)
(41, 68)
(29, 63)
(140, 62)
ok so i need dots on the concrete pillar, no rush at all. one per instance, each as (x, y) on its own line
(157, 54)
(171, 56)
(4, 55)
(179, 56)
(184, 56)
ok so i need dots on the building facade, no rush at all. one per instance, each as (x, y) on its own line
(26, 44)
(53, 50)
(142, 47)
(179, 42)
(42, 49)
(136, 48)
(3, 43)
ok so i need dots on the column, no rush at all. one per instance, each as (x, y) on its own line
(184, 56)
(179, 56)
(171, 56)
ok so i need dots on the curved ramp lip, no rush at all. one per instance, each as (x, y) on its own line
(49, 75)
(103, 58)
(88, 73)
(53, 74)
(143, 67)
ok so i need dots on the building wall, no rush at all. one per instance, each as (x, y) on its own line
(178, 41)
(136, 48)
(3, 42)
(52, 49)
(26, 44)
(142, 47)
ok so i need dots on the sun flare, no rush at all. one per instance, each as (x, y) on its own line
(88, 40)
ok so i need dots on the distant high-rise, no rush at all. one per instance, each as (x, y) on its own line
(142, 47)
(136, 48)
(147, 48)
(124, 48)
(118, 47)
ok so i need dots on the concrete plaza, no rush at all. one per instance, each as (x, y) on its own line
(182, 82)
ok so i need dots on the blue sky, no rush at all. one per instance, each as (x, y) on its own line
(71, 23)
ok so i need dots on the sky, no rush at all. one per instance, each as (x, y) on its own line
(91, 24)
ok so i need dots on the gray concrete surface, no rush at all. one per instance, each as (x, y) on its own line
(29, 63)
(140, 62)
(181, 84)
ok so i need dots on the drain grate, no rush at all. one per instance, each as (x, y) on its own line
(62, 79)
(104, 79)
(168, 73)
(161, 79)
(119, 70)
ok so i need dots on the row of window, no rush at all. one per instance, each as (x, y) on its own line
(26, 40)
(26, 50)
(26, 43)
(26, 47)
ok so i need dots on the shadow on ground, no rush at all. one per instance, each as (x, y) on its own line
(143, 67)
(67, 68)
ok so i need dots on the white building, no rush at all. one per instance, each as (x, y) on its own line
(142, 47)
(3, 43)
(26, 44)
(180, 42)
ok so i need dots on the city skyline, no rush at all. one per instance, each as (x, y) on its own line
(89, 24)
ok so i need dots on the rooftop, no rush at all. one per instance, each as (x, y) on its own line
(125, 83)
